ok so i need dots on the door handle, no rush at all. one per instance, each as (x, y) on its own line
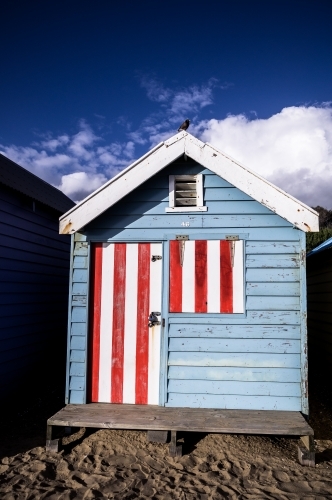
(153, 319)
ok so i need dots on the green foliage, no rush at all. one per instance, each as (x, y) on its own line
(325, 217)
(325, 224)
(315, 239)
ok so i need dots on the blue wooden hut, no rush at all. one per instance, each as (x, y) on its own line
(188, 299)
(34, 276)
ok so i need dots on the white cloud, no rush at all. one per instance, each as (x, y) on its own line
(293, 148)
(178, 102)
(80, 184)
(155, 90)
(175, 105)
(76, 164)
(53, 144)
(192, 99)
(83, 140)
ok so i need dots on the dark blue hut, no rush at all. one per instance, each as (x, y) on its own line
(34, 275)
(319, 281)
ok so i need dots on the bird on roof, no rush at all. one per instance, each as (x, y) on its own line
(184, 125)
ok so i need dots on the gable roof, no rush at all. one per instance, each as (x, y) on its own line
(261, 190)
(20, 179)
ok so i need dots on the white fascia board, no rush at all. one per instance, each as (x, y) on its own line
(261, 190)
(122, 184)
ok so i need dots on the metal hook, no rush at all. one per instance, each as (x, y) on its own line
(232, 245)
(182, 244)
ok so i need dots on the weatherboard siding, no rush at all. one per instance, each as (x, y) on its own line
(34, 273)
(257, 357)
(77, 322)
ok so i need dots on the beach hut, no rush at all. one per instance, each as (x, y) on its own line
(319, 283)
(34, 278)
(188, 300)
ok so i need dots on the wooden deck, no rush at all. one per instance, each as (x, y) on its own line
(143, 417)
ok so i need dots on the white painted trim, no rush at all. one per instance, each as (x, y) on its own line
(199, 190)
(185, 209)
(175, 138)
(279, 202)
(118, 187)
(171, 193)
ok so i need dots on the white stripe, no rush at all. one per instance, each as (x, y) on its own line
(213, 276)
(106, 323)
(188, 277)
(238, 305)
(129, 368)
(154, 332)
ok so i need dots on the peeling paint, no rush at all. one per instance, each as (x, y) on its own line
(68, 229)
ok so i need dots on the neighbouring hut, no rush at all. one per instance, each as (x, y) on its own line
(34, 277)
(188, 300)
(319, 284)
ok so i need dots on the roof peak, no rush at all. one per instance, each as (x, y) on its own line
(164, 153)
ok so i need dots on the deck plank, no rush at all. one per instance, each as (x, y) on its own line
(146, 417)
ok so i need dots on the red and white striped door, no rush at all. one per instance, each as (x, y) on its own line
(206, 276)
(124, 351)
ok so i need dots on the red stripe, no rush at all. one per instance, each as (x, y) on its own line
(96, 277)
(226, 277)
(142, 339)
(118, 322)
(200, 276)
(175, 278)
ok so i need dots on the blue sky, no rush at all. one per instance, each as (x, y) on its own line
(87, 87)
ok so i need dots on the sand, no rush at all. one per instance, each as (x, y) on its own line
(111, 464)
(121, 464)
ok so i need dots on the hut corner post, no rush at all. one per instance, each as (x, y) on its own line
(307, 455)
(51, 444)
(175, 449)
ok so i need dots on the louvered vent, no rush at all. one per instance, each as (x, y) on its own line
(186, 191)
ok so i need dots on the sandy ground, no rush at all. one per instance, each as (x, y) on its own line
(123, 465)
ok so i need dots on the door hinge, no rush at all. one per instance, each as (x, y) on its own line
(163, 322)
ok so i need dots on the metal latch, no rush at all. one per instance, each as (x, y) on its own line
(153, 319)
(155, 257)
(182, 238)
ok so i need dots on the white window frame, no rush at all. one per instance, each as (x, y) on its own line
(199, 189)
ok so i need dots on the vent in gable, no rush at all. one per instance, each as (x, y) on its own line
(186, 193)
(185, 190)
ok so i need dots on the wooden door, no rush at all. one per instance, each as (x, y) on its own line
(124, 351)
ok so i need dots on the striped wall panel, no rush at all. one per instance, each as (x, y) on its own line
(206, 276)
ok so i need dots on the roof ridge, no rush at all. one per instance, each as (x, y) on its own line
(164, 153)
